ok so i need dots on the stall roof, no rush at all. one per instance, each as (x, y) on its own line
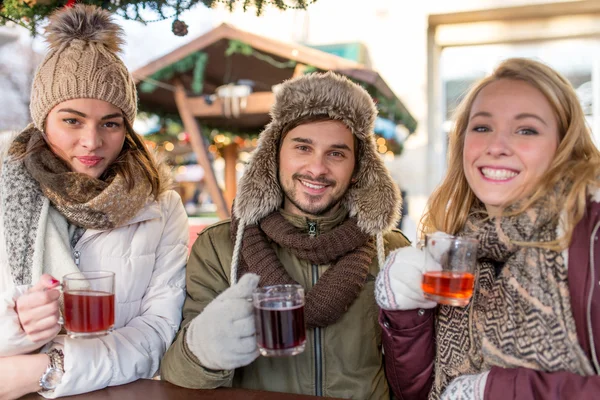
(221, 69)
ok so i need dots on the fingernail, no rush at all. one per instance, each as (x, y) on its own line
(54, 281)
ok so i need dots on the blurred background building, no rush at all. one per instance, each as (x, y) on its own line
(428, 53)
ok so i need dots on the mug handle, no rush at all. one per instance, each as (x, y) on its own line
(59, 287)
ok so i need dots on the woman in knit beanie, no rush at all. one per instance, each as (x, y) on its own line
(80, 192)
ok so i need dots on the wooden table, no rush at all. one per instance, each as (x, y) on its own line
(146, 389)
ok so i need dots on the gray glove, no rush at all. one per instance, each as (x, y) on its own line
(223, 335)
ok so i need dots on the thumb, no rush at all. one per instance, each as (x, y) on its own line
(411, 258)
(46, 282)
(438, 245)
(243, 288)
(431, 265)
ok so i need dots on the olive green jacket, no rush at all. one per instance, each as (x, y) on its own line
(342, 360)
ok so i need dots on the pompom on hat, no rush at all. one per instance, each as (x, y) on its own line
(82, 63)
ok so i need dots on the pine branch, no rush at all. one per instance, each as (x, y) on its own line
(32, 15)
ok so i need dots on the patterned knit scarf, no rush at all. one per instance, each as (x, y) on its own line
(84, 201)
(520, 318)
(349, 251)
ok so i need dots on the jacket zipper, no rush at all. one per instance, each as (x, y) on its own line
(317, 341)
(589, 305)
(76, 255)
(312, 231)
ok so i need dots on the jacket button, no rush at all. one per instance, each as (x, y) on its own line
(386, 324)
(421, 312)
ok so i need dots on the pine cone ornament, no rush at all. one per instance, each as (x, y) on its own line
(179, 28)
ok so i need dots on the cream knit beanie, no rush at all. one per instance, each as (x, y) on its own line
(82, 63)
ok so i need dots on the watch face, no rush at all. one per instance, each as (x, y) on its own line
(52, 378)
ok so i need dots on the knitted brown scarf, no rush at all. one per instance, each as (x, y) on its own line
(348, 249)
(84, 201)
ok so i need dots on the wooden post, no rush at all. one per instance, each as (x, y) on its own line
(256, 103)
(193, 129)
(230, 154)
(299, 70)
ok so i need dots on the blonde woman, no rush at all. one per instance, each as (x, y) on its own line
(80, 192)
(523, 179)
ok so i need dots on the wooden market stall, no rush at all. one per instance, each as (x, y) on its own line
(224, 79)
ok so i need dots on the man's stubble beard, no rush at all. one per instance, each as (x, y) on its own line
(290, 195)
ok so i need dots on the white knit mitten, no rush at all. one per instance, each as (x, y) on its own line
(398, 285)
(223, 335)
(466, 387)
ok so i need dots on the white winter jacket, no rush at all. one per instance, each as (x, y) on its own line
(148, 255)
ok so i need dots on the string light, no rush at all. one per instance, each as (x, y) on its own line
(169, 146)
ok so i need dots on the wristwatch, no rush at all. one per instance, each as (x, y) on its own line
(55, 371)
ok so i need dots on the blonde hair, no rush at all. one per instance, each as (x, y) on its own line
(575, 167)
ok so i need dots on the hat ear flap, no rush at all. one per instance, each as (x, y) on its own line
(374, 199)
(259, 192)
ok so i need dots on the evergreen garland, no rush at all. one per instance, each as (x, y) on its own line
(32, 13)
(195, 61)
(237, 46)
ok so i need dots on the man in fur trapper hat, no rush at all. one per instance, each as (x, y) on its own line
(315, 207)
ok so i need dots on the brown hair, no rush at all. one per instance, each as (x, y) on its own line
(306, 119)
(135, 155)
(575, 167)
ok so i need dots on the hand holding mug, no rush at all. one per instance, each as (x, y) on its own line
(457, 256)
(39, 311)
(89, 299)
(89, 306)
(398, 285)
(280, 324)
(222, 336)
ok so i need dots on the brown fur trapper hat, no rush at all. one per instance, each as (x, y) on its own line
(82, 63)
(373, 199)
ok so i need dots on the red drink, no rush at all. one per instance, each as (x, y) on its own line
(280, 328)
(447, 287)
(89, 311)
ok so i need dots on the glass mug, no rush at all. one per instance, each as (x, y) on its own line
(89, 303)
(457, 256)
(279, 318)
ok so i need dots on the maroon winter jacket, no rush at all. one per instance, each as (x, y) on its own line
(408, 336)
